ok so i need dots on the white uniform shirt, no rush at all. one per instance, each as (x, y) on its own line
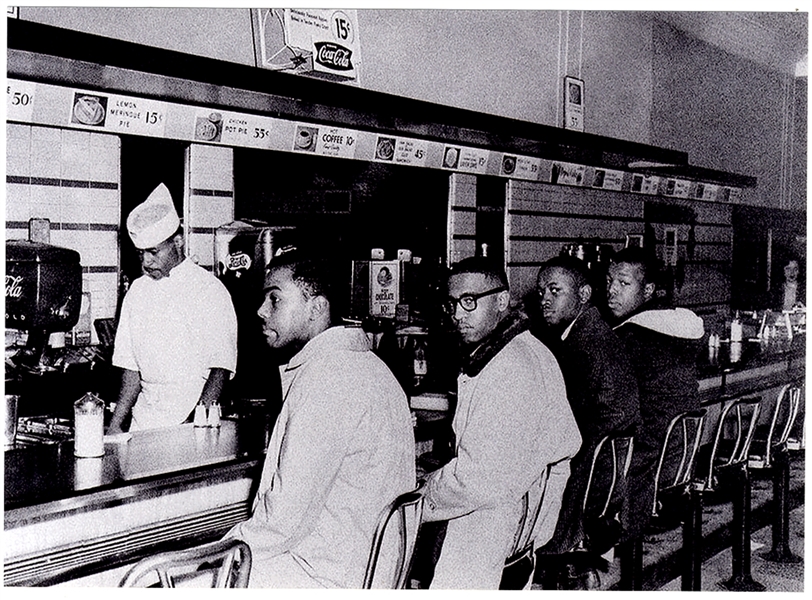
(173, 331)
(341, 450)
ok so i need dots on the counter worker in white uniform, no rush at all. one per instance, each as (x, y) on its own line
(176, 340)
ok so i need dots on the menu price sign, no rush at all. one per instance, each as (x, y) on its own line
(471, 160)
(567, 174)
(706, 191)
(645, 184)
(679, 188)
(606, 179)
(336, 142)
(250, 131)
(521, 167)
(402, 151)
(137, 116)
(20, 100)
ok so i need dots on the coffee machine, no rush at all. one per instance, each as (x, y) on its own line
(43, 296)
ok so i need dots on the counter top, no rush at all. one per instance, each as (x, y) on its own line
(46, 473)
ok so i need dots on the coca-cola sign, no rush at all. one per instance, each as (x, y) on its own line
(14, 288)
(333, 56)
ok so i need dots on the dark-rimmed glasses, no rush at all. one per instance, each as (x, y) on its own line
(468, 301)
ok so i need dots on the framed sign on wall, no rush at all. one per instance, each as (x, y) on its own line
(573, 104)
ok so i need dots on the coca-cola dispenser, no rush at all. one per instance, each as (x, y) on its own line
(242, 251)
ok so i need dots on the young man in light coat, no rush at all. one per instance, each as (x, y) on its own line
(342, 447)
(512, 420)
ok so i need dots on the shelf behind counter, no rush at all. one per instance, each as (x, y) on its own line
(68, 517)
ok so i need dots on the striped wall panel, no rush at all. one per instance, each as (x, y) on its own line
(72, 178)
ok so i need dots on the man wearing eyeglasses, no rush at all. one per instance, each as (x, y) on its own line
(512, 421)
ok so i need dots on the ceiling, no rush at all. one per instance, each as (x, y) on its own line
(776, 39)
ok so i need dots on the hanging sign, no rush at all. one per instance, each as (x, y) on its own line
(321, 42)
(573, 104)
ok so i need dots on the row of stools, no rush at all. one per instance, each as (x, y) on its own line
(742, 447)
(694, 473)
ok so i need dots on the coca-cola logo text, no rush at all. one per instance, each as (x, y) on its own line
(14, 288)
(334, 56)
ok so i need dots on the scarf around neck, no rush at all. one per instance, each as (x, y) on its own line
(508, 328)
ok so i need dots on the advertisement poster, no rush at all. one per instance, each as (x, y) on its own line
(308, 40)
(384, 287)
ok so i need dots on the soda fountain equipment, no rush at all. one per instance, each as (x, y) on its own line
(43, 295)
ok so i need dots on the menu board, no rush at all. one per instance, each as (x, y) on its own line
(54, 105)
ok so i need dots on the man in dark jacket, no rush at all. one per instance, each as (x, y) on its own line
(663, 344)
(601, 385)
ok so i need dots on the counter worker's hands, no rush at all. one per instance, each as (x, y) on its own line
(127, 395)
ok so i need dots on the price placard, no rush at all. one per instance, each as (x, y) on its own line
(679, 188)
(20, 100)
(138, 116)
(336, 142)
(567, 174)
(607, 179)
(411, 152)
(645, 184)
(473, 160)
(528, 168)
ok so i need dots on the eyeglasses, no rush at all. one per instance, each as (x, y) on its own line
(468, 301)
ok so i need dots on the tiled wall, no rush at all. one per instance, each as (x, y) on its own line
(73, 179)
(461, 217)
(210, 198)
(541, 218)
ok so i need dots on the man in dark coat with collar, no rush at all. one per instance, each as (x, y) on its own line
(601, 386)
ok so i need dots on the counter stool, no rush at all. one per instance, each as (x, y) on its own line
(401, 519)
(675, 476)
(770, 457)
(220, 564)
(538, 514)
(728, 463)
(613, 452)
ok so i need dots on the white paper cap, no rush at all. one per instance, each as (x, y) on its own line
(154, 220)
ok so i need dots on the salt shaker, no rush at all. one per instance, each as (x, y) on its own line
(88, 426)
(200, 415)
(213, 419)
